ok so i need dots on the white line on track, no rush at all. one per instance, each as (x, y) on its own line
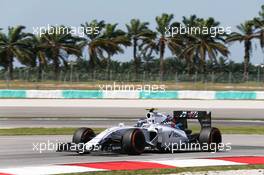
(219, 104)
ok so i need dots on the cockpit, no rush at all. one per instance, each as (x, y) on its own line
(155, 117)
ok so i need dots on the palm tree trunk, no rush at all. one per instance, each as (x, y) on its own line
(10, 70)
(203, 64)
(136, 61)
(108, 67)
(162, 50)
(91, 64)
(56, 63)
(40, 71)
(204, 67)
(56, 68)
(10, 66)
(246, 60)
(189, 67)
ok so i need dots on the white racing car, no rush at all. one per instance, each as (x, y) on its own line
(155, 132)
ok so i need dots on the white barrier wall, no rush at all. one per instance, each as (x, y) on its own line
(207, 95)
(97, 94)
(44, 94)
(121, 94)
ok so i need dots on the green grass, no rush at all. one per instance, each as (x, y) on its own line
(69, 131)
(242, 130)
(169, 85)
(41, 131)
(238, 118)
(174, 170)
(234, 129)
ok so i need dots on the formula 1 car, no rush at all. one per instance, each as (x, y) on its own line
(156, 131)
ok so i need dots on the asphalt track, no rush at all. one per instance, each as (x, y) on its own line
(101, 122)
(247, 109)
(18, 151)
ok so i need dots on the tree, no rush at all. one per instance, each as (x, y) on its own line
(246, 34)
(200, 45)
(15, 44)
(114, 39)
(59, 45)
(94, 41)
(3, 62)
(259, 26)
(138, 31)
(218, 65)
(172, 42)
(40, 49)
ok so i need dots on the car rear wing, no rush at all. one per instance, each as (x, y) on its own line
(204, 118)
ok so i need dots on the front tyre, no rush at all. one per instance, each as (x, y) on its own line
(133, 142)
(83, 135)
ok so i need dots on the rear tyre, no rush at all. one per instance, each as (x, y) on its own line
(133, 142)
(210, 138)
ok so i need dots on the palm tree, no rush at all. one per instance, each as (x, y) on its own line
(59, 45)
(173, 43)
(259, 25)
(192, 21)
(246, 34)
(40, 47)
(218, 65)
(3, 62)
(115, 39)
(15, 44)
(96, 44)
(200, 45)
(138, 31)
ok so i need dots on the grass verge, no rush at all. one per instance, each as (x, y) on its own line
(69, 131)
(41, 131)
(174, 170)
(234, 129)
(169, 85)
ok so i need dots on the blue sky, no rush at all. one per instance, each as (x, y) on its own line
(32, 13)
